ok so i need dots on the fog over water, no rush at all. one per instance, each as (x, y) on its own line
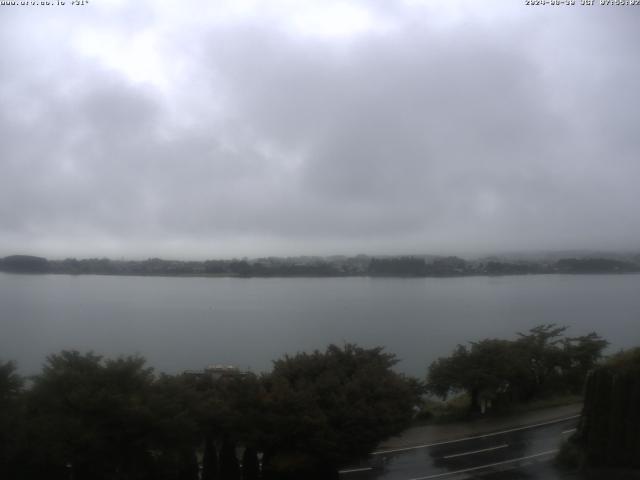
(187, 323)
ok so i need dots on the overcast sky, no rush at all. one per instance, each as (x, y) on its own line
(214, 129)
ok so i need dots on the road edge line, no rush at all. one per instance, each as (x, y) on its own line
(475, 437)
(489, 465)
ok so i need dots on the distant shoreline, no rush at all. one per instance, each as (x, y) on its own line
(404, 277)
(324, 267)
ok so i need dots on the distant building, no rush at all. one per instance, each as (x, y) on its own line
(217, 371)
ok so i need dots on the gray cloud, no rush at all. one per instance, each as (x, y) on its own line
(148, 131)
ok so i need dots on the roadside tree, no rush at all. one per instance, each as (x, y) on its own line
(326, 408)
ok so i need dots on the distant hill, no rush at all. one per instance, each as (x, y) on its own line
(24, 264)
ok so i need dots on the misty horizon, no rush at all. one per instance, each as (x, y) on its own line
(506, 254)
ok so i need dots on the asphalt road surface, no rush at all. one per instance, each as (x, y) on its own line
(518, 453)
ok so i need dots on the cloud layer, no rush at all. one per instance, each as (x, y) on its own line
(332, 127)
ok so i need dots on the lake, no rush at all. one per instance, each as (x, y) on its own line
(188, 323)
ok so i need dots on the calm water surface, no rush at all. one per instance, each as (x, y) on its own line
(187, 323)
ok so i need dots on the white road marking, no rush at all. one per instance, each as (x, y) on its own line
(569, 431)
(476, 451)
(475, 437)
(489, 465)
(354, 470)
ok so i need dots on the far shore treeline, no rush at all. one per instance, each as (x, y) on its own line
(87, 417)
(333, 266)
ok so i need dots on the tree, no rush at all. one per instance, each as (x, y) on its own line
(582, 355)
(557, 363)
(539, 362)
(229, 411)
(608, 431)
(24, 264)
(542, 348)
(10, 384)
(229, 465)
(487, 371)
(250, 464)
(403, 266)
(209, 460)
(330, 407)
(11, 420)
(91, 418)
(176, 434)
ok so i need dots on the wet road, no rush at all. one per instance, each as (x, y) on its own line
(523, 452)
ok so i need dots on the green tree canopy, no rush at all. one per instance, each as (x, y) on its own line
(92, 416)
(326, 408)
(12, 434)
(505, 371)
(486, 370)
